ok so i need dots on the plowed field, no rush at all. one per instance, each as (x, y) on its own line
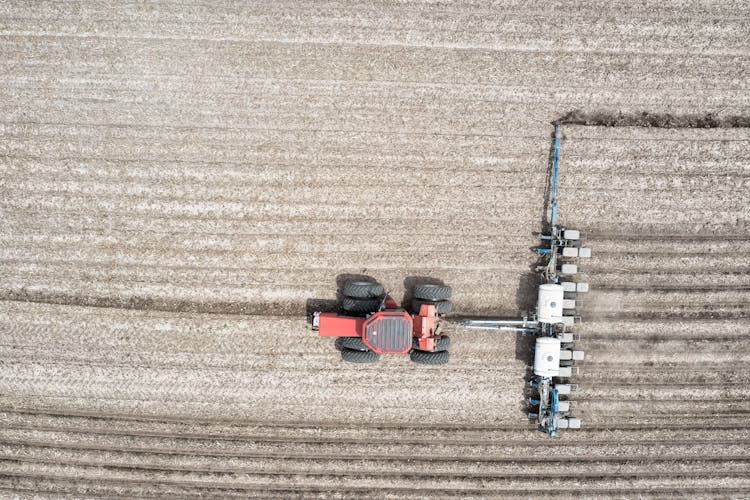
(181, 183)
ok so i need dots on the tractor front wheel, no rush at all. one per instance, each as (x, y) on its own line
(360, 357)
(353, 343)
(429, 358)
(441, 344)
(443, 306)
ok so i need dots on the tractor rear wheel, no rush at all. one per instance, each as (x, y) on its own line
(432, 292)
(441, 344)
(443, 306)
(360, 305)
(353, 343)
(352, 356)
(429, 358)
(362, 289)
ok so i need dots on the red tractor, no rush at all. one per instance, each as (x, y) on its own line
(371, 323)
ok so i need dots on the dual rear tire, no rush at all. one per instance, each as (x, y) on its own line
(360, 305)
(362, 290)
(359, 357)
(441, 344)
(354, 350)
(429, 358)
(353, 343)
(361, 297)
(439, 356)
(432, 292)
(437, 295)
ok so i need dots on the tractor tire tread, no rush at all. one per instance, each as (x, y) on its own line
(432, 292)
(443, 306)
(442, 344)
(359, 357)
(362, 290)
(353, 343)
(360, 305)
(429, 358)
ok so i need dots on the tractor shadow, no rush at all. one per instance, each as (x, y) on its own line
(410, 282)
(320, 305)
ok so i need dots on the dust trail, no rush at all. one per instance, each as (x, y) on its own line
(655, 120)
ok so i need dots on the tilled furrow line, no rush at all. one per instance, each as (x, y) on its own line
(471, 287)
(454, 484)
(252, 144)
(406, 470)
(659, 394)
(248, 210)
(666, 244)
(395, 96)
(385, 63)
(376, 451)
(662, 266)
(387, 432)
(53, 484)
(667, 351)
(652, 375)
(228, 243)
(220, 176)
(83, 220)
(282, 193)
(528, 30)
(603, 147)
(601, 409)
(702, 329)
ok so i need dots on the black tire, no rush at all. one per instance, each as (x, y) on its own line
(432, 292)
(429, 358)
(360, 305)
(442, 344)
(443, 306)
(360, 357)
(362, 290)
(353, 343)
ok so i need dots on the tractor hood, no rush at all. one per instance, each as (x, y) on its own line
(389, 332)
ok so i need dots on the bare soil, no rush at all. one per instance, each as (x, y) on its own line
(182, 183)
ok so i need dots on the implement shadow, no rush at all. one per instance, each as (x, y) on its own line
(525, 299)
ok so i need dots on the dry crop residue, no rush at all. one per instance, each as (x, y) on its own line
(177, 182)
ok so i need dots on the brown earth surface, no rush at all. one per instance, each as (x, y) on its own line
(181, 183)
